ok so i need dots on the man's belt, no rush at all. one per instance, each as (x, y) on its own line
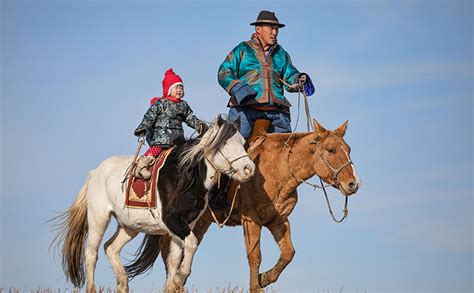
(269, 108)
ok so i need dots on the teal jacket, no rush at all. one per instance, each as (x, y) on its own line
(248, 64)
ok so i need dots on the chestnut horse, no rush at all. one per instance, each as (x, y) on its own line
(283, 161)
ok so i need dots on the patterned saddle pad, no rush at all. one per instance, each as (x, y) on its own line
(142, 193)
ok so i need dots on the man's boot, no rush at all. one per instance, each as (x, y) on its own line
(141, 171)
(218, 194)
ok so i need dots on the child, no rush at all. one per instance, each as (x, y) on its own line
(162, 123)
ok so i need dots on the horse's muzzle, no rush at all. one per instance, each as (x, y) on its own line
(247, 173)
(350, 188)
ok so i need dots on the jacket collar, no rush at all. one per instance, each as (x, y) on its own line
(258, 44)
(173, 99)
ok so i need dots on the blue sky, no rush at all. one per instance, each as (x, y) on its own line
(77, 76)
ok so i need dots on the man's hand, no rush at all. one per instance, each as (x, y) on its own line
(303, 78)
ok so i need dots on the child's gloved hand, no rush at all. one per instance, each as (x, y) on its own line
(140, 132)
(201, 127)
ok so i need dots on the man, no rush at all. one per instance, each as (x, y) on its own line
(254, 74)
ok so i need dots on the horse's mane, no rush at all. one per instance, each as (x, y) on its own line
(191, 171)
(191, 153)
(281, 138)
(209, 143)
(285, 136)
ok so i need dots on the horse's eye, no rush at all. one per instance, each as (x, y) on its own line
(331, 151)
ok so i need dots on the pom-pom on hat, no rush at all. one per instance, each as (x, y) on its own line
(171, 79)
(153, 100)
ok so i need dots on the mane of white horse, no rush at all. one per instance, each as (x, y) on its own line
(206, 143)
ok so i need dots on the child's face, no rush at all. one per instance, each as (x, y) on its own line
(177, 91)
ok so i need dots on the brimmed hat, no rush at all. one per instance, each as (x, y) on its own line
(267, 18)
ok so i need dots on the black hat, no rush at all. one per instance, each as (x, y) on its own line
(267, 18)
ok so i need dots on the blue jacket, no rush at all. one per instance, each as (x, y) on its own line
(247, 64)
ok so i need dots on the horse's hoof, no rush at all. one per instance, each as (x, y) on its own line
(122, 289)
(264, 279)
(257, 290)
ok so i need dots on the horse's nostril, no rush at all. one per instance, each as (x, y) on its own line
(247, 170)
(351, 185)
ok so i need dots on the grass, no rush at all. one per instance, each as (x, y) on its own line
(229, 289)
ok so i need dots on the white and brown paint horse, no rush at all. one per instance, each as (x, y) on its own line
(283, 161)
(183, 185)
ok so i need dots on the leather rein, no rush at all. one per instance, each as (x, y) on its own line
(335, 171)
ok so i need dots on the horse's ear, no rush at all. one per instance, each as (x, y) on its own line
(237, 123)
(318, 129)
(219, 120)
(341, 130)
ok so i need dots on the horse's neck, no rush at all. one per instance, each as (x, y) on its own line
(290, 157)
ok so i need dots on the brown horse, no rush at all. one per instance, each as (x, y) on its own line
(283, 162)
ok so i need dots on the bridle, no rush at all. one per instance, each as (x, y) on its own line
(334, 177)
(231, 170)
(335, 171)
(228, 171)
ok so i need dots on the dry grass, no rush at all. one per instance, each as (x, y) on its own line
(229, 289)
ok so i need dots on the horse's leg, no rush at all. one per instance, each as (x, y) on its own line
(190, 247)
(97, 224)
(252, 233)
(173, 261)
(165, 243)
(281, 233)
(112, 249)
(199, 230)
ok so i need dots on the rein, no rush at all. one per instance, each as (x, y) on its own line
(334, 170)
(219, 224)
(231, 169)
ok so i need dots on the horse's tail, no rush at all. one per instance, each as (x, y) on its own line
(144, 257)
(72, 232)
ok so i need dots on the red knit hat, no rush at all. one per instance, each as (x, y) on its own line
(170, 80)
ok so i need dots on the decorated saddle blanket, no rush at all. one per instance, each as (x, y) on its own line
(142, 193)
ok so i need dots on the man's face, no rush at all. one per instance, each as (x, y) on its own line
(268, 34)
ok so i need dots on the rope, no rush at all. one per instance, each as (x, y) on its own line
(221, 225)
(346, 210)
(309, 127)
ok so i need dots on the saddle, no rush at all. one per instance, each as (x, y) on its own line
(142, 193)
